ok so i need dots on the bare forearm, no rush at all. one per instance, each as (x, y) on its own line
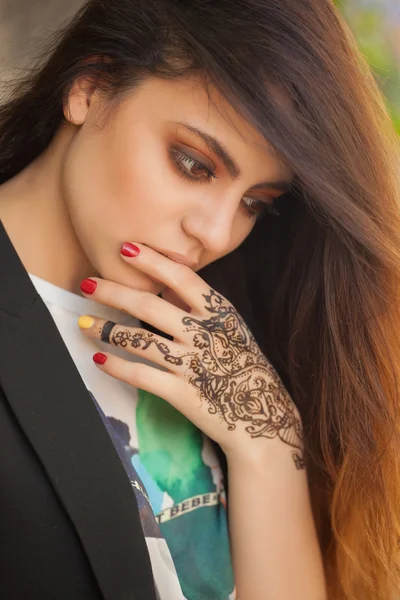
(274, 544)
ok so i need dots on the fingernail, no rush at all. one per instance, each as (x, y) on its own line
(99, 358)
(88, 286)
(85, 322)
(129, 250)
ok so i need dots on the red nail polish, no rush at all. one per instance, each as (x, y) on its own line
(129, 250)
(88, 286)
(99, 358)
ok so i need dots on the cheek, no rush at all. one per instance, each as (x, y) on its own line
(241, 229)
(117, 183)
(117, 190)
(106, 208)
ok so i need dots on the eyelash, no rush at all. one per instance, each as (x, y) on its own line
(179, 158)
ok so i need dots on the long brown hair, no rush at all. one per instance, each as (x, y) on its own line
(320, 283)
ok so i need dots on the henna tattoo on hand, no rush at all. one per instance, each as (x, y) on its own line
(236, 379)
(122, 336)
(230, 373)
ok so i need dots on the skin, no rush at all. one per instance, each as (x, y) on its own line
(106, 179)
(215, 374)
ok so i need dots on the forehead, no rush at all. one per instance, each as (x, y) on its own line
(187, 100)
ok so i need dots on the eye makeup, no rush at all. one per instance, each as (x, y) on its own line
(195, 167)
(192, 165)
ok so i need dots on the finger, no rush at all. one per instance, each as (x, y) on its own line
(134, 340)
(150, 379)
(174, 299)
(145, 306)
(144, 377)
(178, 277)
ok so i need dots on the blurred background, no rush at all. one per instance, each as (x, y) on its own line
(24, 24)
(376, 26)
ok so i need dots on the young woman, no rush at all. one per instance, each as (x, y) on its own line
(181, 164)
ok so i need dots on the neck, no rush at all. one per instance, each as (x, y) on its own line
(36, 218)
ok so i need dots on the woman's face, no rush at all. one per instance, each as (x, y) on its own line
(168, 169)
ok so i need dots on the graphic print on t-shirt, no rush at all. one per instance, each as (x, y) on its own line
(172, 467)
(179, 471)
(165, 576)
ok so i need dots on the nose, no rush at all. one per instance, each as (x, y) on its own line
(212, 226)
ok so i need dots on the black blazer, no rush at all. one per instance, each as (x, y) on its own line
(69, 524)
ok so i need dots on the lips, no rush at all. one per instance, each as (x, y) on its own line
(181, 259)
(178, 258)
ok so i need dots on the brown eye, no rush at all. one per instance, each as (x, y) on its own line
(194, 167)
(190, 168)
(257, 208)
(253, 207)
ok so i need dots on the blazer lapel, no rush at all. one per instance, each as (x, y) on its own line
(55, 411)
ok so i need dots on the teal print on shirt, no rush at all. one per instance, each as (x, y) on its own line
(172, 452)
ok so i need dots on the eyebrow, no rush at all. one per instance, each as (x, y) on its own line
(233, 169)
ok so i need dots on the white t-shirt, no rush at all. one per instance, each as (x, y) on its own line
(172, 466)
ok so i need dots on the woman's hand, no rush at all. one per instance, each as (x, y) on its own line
(214, 372)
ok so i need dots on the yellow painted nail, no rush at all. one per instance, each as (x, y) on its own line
(85, 322)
